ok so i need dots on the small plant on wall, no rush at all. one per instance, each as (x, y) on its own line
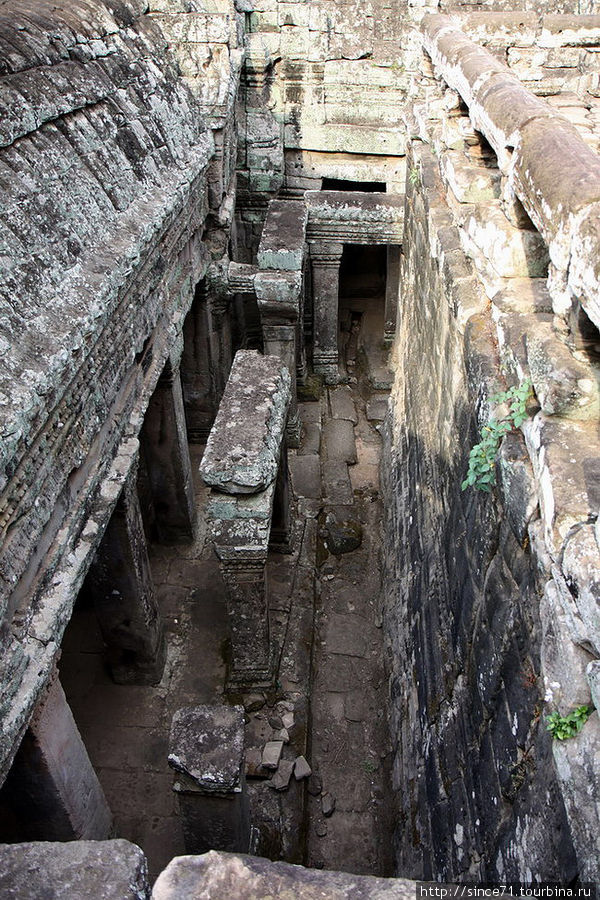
(564, 727)
(481, 474)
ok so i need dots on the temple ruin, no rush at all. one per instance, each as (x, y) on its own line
(299, 446)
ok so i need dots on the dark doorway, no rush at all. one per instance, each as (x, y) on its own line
(340, 184)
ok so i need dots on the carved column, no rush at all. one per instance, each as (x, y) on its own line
(52, 785)
(326, 260)
(121, 584)
(392, 291)
(244, 574)
(197, 371)
(278, 296)
(167, 458)
(219, 334)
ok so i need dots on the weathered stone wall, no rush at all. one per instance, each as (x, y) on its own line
(106, 158)
(484, 639)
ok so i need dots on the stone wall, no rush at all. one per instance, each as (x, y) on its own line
(484, 634)
(107, 157)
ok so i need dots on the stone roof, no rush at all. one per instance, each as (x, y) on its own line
(99, 138)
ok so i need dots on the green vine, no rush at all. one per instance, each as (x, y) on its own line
(413, 176)
(564, 727)
(481, 474)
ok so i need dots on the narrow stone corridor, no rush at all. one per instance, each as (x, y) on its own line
(348, 803)
(328, 706)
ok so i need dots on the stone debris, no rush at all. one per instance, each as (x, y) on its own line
(281, 779)
(254, 766)
(342, 537)
(282, 735)
(321, 829)
(327, 804)
(301, 769)
(272, 754)
(287, 720)
(254, 702)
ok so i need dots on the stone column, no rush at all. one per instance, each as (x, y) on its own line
(280, 341)
(219, 334)
(206, 749)
(278, 295)
(121, 584)
(52, 784)
(392, 291)
(167, 458)
(197, 372)
(325, 260)
(244, 573)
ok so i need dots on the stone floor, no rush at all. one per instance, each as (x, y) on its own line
(342, 732)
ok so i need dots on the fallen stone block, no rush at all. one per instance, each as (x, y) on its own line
(301, 769)
(272, 754)
(377, 409)
(341, 404)
(281, 779)
(327, 804)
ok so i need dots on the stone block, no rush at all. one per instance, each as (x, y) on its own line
(564, 385)
(272, 754)
(305, 472)
(339, 443)
(112, 870)
(222, 876)
(593, 677)
(283, 238)
(301, 769)
(207, 746)
(243, 448)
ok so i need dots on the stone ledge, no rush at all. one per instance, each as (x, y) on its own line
(242, 452)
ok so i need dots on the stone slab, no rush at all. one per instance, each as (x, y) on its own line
(377, 409)
(107, 870)
(305, 473)
(207, 745)
(338, 438)
(310, 439)
(242, 451)
(341, 403)
(337, 488)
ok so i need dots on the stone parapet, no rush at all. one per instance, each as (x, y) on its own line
(553, 172)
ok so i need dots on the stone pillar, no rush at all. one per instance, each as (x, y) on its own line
(325, 260)
(244, 573)
(206, 749)
(167, 458)
(121, 584)
(278, 295)
(52, 784)
(280, 341)
(219, 334)
(392, 291)
(197, 372)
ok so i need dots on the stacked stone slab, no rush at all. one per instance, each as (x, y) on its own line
(244, 455)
